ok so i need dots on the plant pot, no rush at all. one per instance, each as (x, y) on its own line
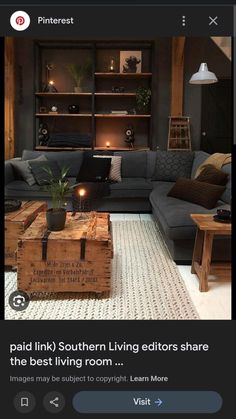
(56, 219)
(77, 89)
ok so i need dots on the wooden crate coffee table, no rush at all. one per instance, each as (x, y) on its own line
(207, 229)
(77, 258)
(16, 223)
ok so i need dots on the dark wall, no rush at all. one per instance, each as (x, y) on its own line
(161, 92)
(25, 87)
(197, 50)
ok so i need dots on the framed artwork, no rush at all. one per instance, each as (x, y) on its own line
(130, 61)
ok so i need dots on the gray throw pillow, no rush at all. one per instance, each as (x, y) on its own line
(170, 165)
(41, 175)
(23, 169)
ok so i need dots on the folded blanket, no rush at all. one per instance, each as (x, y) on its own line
(72, 139)
(217, 160)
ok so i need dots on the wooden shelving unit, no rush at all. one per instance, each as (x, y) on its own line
(124, 75)
(179, 137)
(54, 95)
(46, 148)
(107, 94)
(122, 148)
(109, 115)
(57, 115)
(98, 100)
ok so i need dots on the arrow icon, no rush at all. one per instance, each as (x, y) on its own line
(158, 402)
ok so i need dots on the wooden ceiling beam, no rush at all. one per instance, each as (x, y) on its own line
(177, 76)
(9, 98)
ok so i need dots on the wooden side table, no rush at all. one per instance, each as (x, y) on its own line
(207, 229)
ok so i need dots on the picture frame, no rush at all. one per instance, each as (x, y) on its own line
(130, 61)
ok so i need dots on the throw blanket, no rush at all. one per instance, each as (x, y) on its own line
(69, 139)
(217, 160)
(94, 192)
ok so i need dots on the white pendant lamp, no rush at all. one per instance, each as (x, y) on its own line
(203, 76)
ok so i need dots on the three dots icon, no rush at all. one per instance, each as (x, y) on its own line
(183, 20)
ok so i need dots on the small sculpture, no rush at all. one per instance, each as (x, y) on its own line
(73, 108)
(129, 134)
(131, 64)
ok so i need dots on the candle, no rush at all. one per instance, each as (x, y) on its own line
(82, 192)
(112, 65)
(108, 144)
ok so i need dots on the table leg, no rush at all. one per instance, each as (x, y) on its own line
(206, 261)
(197, 252)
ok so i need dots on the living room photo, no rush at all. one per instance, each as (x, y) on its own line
(118, 179)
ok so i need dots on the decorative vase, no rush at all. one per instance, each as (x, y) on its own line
(56, 219)
(77, 89)
(73, 108)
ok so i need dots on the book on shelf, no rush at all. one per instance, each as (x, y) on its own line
(119, 112)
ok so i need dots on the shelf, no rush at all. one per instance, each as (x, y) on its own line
(45, 94)
(123, 75)
(45, 148)
(49, 115)
(114, 94)
(110, 115)
(122, 148)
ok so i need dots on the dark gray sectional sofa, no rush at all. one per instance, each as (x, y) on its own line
(136, 193)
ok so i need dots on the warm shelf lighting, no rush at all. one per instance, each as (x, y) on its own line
(108, 144)
(112, 65)
(51, 82)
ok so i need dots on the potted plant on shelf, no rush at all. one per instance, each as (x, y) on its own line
(143, 99)
(58, 187)
(78, 72)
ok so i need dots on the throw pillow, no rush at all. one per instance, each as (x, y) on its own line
(94, 170)
(40, 174)
(115, 171)
(201, 193)
(23, 169)
(211, 174)
(170, 165)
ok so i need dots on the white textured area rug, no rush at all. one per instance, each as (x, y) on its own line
(146, 284)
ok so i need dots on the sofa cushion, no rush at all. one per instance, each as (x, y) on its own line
(131, 188)
(151, 163)
(115, 170)
(39, 170)
(65, 159)
(23, 169)
(21, 185)
(94, 170)
(170, 165)
(174, 214)
(211, 174)
(226, 197)
(201, 193)
(199, 158)
(134, 163)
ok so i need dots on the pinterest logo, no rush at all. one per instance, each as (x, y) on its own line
(20, 21)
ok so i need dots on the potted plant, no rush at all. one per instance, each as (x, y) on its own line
(58, 187)
(78, 72)
(143, 99)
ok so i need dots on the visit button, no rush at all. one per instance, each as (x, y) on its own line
(147, 402)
